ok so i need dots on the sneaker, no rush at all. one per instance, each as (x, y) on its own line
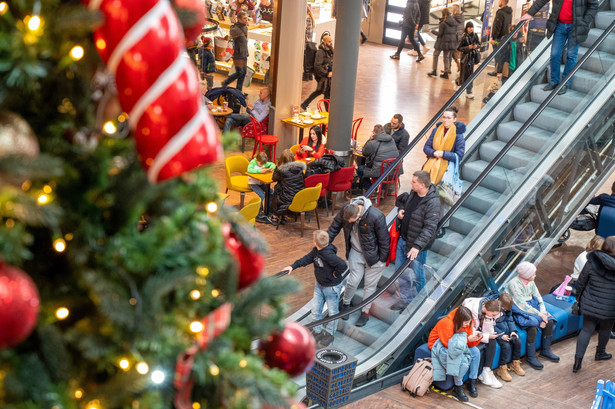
(469, 95)
(421, 58)
(484, 378)
(315, 333)
(432, 74)
(399, 306)
(494, 382)
(362, 320)
(343, 309)
(394, 57)
(425, 49)
(324, 338)
(261, 218)
(492, 74)
(550, 87)
(272, 221)
(444, 75)
(562, 90)
(303, 107)
(412, 53)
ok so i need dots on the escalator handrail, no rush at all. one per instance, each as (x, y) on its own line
(479, 180)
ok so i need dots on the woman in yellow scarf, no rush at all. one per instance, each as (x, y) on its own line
(445, 141)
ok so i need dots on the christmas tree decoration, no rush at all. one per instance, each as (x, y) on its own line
(291, 349)
(194, 12)
(16, 136)
(142, 44)
(20, 305)
(250, 261)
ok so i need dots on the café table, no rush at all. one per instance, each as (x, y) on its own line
(319, 118)
(220, 114)
(357, 157)
(266, 178)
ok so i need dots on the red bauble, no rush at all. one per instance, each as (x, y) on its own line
(197, 10)
(250, 261)
(19, 305)
(291, 350)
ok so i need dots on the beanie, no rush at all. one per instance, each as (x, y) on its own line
(469, 25)
(526, 270)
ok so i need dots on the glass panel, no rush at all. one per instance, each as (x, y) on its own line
(392, 33)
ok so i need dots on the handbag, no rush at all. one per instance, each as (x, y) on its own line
(575, 309)
(476, 57)
(449, 188)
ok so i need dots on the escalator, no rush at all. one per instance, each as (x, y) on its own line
(533, 159)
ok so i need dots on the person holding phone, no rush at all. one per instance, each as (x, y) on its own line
(509, 341)
(485, 312)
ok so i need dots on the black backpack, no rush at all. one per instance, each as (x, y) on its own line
(309, 56)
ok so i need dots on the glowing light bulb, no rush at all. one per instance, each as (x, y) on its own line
(109, 128)
(215, 293)
(47, 189)
(62, 313)
(78, 393)
(124, 364)
(76, 53)
(212, 207)
(42, 199)
(243, 363)
(3, 8)
(157, 377)
(196, 405)
(202, 271)
(95, 404)
(195, 294)
(214, 370)
(59, 245)
(142, 368)
(33, 22)
(196, 326)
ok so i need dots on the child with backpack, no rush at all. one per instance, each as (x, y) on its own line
(509, 341)
(208, 62)
(328, 270)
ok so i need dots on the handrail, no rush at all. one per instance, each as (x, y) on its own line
(480, 178)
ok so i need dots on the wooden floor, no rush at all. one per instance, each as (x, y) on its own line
(386, 87)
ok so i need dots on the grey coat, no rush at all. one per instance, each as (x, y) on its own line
(446, 35)
(376, 151)
(412, 14)
(583, 12)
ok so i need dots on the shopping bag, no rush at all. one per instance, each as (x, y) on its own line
(449, 187)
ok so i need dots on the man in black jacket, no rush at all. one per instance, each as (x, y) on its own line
(410, 22)
(239, 34)
(367, 248)
(323, 70)
(399, 133)
(503, 18)
(419, 211)
(328, 270)
(569, 25)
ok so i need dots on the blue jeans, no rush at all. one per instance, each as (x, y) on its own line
(331, 296)
(258, 189)
(235, 120)
(562, 36)
(412, 275)
(474, 364)
(239, 75)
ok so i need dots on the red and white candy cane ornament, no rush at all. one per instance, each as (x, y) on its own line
(142, 43)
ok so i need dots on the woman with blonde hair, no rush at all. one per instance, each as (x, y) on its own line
(446, 41)
(446, 141)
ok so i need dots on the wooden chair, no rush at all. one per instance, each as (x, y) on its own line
(340, 181)
(261, 140)
(393, 178)
(305, 200)
(250, 211)
(237, 183)
(356, 123)
(323, 179)
(248, 131)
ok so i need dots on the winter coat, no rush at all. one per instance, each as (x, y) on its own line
(401, 138)
(424, 7)
(328, 267)
(467, 55)
(603, 199)
(454, 360)
(525, 319)
(328, 163)
(424, 219)
(239, 34)
(207, 60)
(583, 12)
(487, 327)
(323, 64)
(461, 22)
(506, 323)
(596, 286)
(376, 151)
(412, 14)
(446, 39)
(501, 22)
(459, 147)
(290, 181)
(445, 329)
(373, 233)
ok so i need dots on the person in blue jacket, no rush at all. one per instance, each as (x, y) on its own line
(509, 341)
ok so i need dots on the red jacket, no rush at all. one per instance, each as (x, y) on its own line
(445, 329)
(316, 154)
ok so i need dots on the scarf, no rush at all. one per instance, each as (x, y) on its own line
(441, 142)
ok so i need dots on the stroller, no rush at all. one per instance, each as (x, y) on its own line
(233, 96)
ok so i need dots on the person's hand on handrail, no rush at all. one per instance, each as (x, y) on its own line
(289, 269)
(526, 17)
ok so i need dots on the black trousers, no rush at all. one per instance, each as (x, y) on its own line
(510, 349)
(487, 353)
(546, 331)
(407, 32)
(589, 326)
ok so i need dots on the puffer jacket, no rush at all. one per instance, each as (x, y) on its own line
(323, 62)
(412, 14)
(424, 220)
(596, 286)
(328, 267)
(459, 147)
(503, 18)
(424, 6)
(290, 181)
(461, 21)
(377, 150)
(239, 34)
(401, 138)
(373, 233)
(506, 323)
(524, 319)
(583, 12)
(454, 360)
(446, 39)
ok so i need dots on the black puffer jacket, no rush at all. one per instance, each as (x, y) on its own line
(290, 180)
(373, 233)
(596, 286)
(424, 219)
(503, 18)
(323, 63)
(424, 6)
(328, 267)
(583, 11)
(446, 35)
(412, 14)
(328, 163)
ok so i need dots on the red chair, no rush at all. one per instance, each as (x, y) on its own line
(323, 105)
(340, 181)
(247, 131)
(261, 139)
(323, 178)
(393, 178)
(356, 123)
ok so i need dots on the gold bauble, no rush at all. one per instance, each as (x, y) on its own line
(16, 136)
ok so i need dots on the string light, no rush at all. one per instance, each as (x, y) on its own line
(243, 363)
(202, 271)
(214, 370)
(212, 207)
(195, 294)
(124, 364)
(109, 128)
(62, 313)
(10, 223)
(33, 22)
(59, 245)
(196, 405)
(142, 368)
(157, 377)
(25, 186)
(47, 189)
(196, 326)
(101, 44)
(78, 393)
(3, 8)
(76, 53)
(42, 199)
(215, 293)
(68, 236)
(94, 404)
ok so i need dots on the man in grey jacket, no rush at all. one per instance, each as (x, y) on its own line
(239, 34)
(379, 148)
(410, 22)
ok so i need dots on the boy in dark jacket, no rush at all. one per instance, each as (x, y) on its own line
(509, 340)
(328, 270)
(208, 62)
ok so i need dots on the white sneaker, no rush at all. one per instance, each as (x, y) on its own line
(413, 53)
(494, 381)
(470, 96)
(485, 379)
(425, 49)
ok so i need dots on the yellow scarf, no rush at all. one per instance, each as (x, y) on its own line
(441, 142)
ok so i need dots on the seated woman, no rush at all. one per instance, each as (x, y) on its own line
(289, 175)
(453, 351)
(530, 312)
(311, 146)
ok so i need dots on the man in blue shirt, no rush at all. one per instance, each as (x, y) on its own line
(259, 110)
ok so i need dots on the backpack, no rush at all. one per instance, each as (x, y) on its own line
(419, 379)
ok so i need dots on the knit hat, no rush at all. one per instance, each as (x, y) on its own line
(526, 270)
(469, 25)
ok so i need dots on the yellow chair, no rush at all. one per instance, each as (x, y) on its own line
(237, 183)
(294, 149)
(250, 211)
(305, 200)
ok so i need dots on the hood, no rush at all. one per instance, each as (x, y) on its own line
(382, 137)
(460, 126)
(601, 262)
(365, 202)
(293, 167)
(328, 51)
(330, 249)
(506, 9)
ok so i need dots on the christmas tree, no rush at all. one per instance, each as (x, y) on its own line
(116, 292)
